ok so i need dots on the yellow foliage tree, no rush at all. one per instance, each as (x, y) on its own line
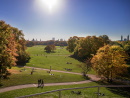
(109, 62)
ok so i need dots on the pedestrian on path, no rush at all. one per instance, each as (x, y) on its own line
(42, 83)
(39, 82)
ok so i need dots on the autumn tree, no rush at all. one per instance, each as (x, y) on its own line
(7, 49)
(109, 62)
(50, 48)
(12, 46)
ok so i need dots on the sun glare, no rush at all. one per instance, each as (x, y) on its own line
(49, 4)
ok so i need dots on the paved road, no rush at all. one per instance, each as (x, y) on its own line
(93, 78)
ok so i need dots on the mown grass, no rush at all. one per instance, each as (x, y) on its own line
(85, 93)
(57, 60)
(25, 77)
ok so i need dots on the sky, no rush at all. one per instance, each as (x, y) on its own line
(44, 20)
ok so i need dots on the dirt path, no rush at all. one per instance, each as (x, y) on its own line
(93, 78)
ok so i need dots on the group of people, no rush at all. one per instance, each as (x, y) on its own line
(40, 83)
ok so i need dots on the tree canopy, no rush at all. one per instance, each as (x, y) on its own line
(109, 62)
(12, 47)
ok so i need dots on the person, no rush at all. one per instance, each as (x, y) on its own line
(42, 83)
(39, 80)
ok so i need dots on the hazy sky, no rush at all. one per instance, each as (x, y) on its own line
(67, 18)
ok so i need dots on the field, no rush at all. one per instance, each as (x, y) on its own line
(57, 60)
(19, 76)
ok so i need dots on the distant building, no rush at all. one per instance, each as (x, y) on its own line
(61, 39)
(128, 37)
(121, 38)
(53, 38)
(125, 39)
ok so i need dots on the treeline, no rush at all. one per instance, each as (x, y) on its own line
(108, 58)
(50, 42)
(12, 48)
(86, 47)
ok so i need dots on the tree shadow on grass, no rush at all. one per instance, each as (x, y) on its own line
(50, 52)
(1, 85)
(122, 91)
(78, 58)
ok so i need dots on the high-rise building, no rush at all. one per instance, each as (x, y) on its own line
(121, 38)
(124, 39)
(128, 37)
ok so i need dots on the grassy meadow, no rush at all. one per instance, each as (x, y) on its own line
(19, 76)
(57, 60)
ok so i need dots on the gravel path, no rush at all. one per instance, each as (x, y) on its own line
(93, 78)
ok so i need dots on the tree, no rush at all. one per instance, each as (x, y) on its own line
(105, 39)
(7, 49)
(50, 48)
(88, 46)
(12, 47)
(86, 67)
(72, 42)
(109, 62)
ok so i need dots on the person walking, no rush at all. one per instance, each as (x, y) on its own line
(42, 83)
(39, 82)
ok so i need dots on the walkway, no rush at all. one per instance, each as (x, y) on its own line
(93, 78)
(35, 85)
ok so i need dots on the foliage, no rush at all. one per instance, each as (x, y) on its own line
(85, 47)
(50, 48)
(72, 42)
(109, 62)
(105, 39)
(125, 45)
(50, 42)
(11, 44)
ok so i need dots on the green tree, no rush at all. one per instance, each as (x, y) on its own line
(72, 42)
(105, 39)
(109, 62)
(50, 48)
(88, 46)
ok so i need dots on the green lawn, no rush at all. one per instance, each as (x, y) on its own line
(25, 77)
(57, 60)
(85, 93)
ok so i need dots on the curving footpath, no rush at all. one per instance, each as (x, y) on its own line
(93, 78)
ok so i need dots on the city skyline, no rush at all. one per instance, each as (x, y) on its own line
(67, 18)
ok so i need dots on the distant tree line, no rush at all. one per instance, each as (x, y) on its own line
(12, 48)
(50, 42)
(108, 58)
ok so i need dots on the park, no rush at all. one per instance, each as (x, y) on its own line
(64, 49)
(51, 67)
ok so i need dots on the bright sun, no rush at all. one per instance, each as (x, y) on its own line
(50, 4)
